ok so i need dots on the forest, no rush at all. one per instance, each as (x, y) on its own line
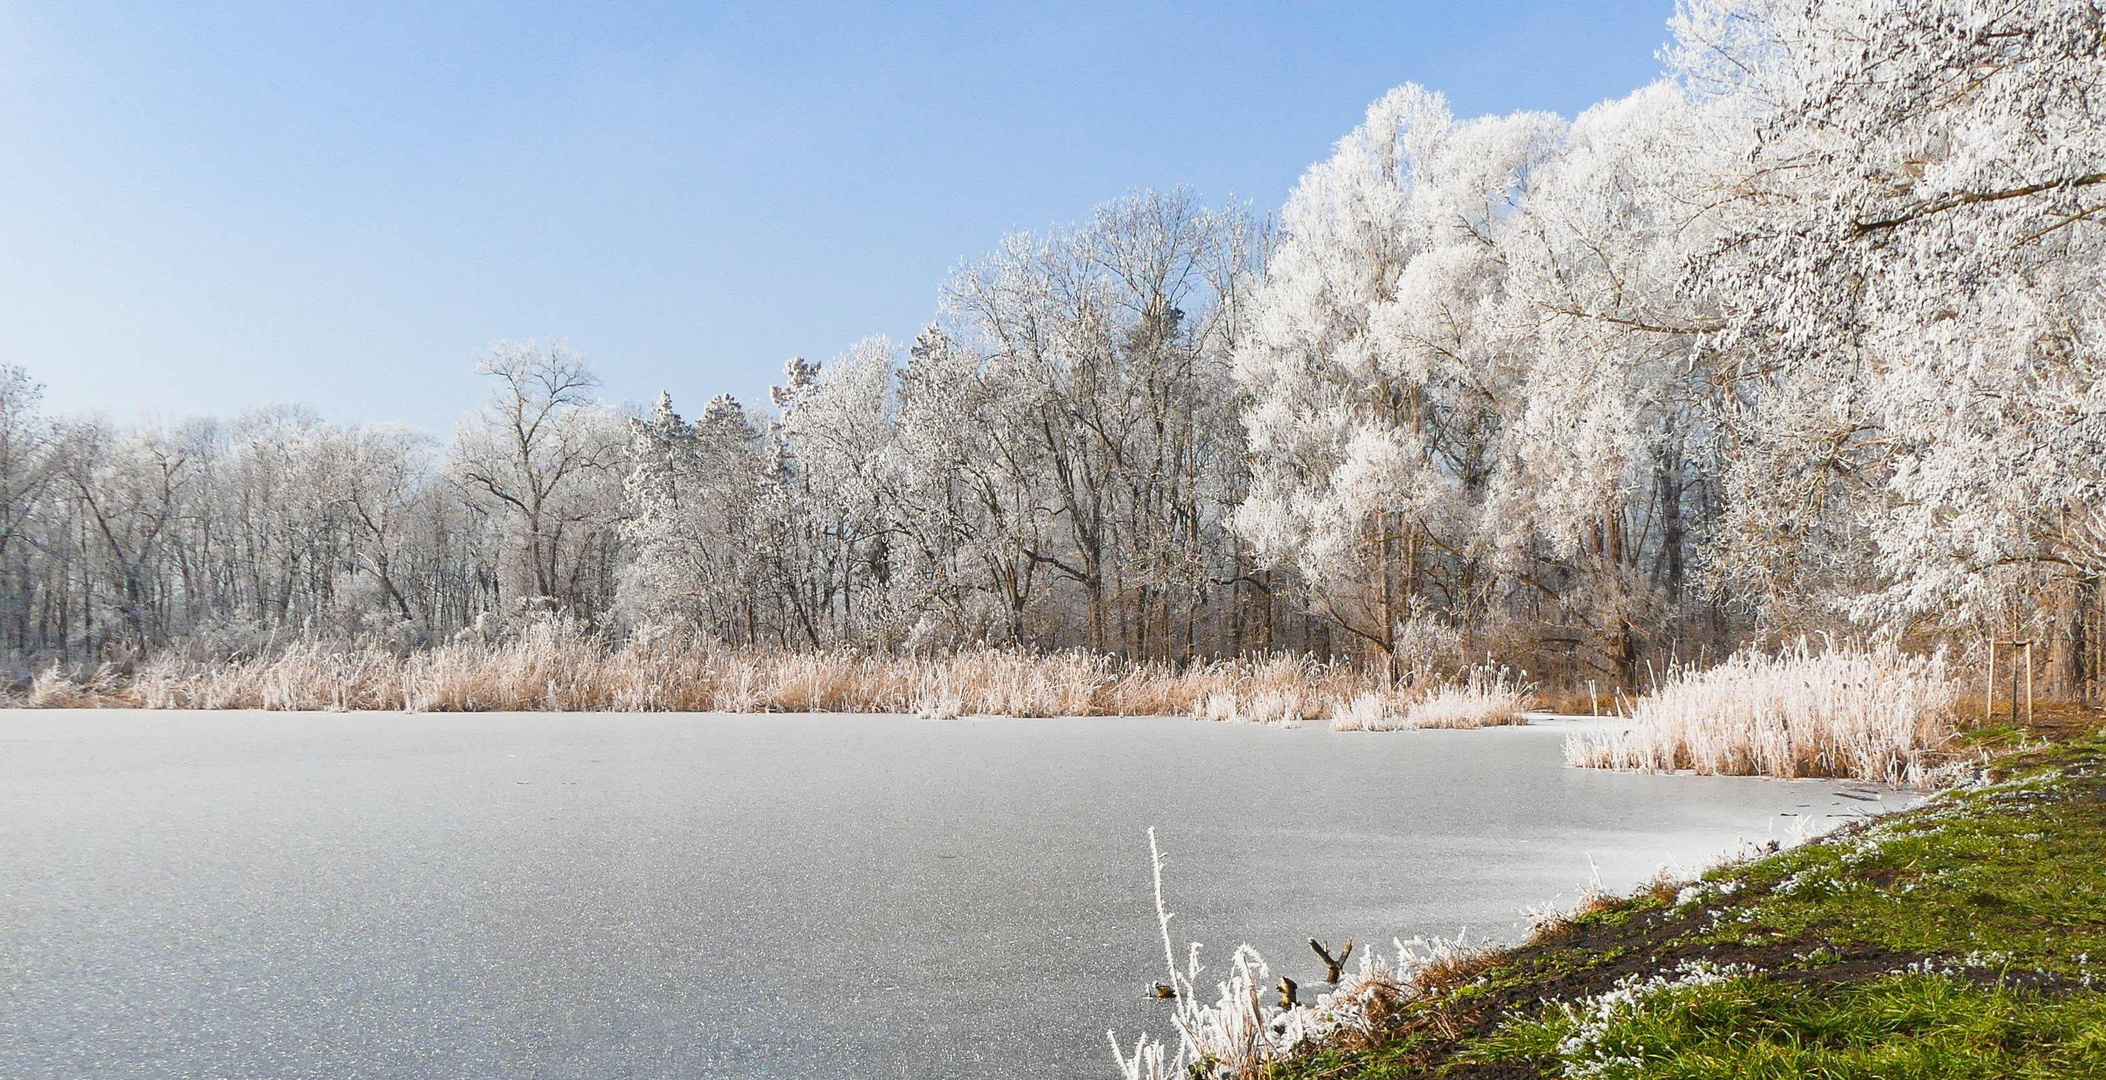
(1802, 339)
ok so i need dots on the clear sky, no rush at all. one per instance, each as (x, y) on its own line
(209, 205)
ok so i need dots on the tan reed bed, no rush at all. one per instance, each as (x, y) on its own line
(555, 666)
(1477, 699)
(1284, 690)
(1877, 715)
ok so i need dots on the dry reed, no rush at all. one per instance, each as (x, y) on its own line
(1478, 701)
(1867, 714)
(554, 665)
(1282, 690)
(1480, 698)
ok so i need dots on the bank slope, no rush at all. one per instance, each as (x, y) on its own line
(1965, 938)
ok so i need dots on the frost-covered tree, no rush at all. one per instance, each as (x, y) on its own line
(695, 494)
(1912, 276)
(1609, 481)
(838, 442)
(127, 493)
(1381, 379)
(380, 478)
(974, 503)
(1056, 466)
(26, 475)
(547, 459)
(1108, 348)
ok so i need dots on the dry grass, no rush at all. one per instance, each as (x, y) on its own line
(1866, 714)
(553, 665)
(1478, 699)
(1482, 699)
(1370, 711)
(1283, 690)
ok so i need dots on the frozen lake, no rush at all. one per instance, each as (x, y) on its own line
(597, 896)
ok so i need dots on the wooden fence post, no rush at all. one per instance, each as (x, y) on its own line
(2013, 665)
(1989, 698)
(2029, 683)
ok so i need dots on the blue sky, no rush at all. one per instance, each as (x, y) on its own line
(206, 206)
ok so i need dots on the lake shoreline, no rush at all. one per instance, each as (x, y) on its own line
(1954, 938)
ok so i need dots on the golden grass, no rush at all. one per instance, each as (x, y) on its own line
(1477, 699)
(1282, 690)
(1866, 714)
(555, 666)
(1482, 699)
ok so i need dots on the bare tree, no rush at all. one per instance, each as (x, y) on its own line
(544, 454)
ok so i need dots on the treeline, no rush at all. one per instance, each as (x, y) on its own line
(1054, 465)
(1804, 337)
(230, 537)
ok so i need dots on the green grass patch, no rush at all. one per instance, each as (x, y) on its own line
(2009, 877)
(1965, 938)
(1890, 1027)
